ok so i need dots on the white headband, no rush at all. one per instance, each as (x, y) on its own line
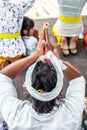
(59, 66)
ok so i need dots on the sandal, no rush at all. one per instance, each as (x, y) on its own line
(72, 45)
(64, 46)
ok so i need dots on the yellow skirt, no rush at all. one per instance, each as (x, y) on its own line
(4, 59)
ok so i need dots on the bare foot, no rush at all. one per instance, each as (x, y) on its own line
(64, 46)
(72, 45)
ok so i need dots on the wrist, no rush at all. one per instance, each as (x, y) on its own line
(36, 54)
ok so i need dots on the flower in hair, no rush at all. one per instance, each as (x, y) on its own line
(47, 60)
(46, 24)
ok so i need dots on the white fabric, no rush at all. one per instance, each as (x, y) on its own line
(30, 44)
(11, 18)
(3, 125)
(70, 8)
(5, 0)
(55, 92)
(20, 115)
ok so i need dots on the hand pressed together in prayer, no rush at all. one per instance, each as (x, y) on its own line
(44, 44)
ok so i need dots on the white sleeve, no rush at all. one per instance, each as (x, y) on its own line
(6, 86)
(7, 93)
(25, 5)
(75, 95)
(14, 111)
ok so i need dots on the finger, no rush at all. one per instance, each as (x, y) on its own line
(47, 47)
(41, 37)
(47, 39)
(55, 49)
(47, 36)
(42, 44)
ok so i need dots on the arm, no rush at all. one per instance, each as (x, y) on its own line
(74, 98)
(15, 68)
(71, 72)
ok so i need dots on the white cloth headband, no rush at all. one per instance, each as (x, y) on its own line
(59, 66)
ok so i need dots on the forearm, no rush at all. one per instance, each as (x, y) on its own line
(71, 72)
(16, 67)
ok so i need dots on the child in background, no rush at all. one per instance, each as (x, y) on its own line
(69, 25)
(29, 35)
(11, 18)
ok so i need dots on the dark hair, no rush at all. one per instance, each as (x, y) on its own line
(44, 77)
(26, 25)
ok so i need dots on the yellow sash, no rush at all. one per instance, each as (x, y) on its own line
(58, 37)
(9, 35)
(70, 20)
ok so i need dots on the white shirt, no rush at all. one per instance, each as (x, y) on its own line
(70, 8)
(11, 18)
(20, 115)
(30, 44)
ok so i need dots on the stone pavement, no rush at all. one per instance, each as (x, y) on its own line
(79, 60)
